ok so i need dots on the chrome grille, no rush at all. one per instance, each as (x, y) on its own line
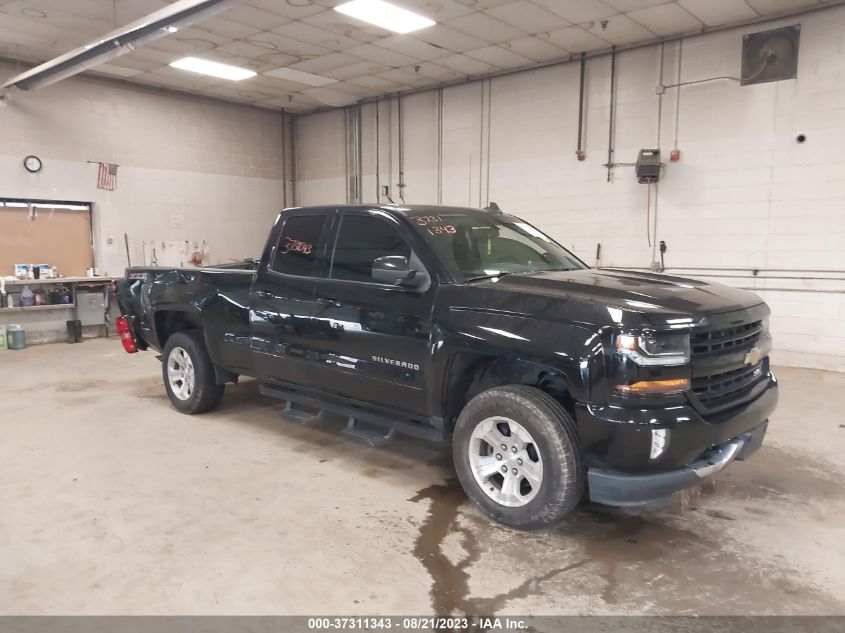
(728, 339)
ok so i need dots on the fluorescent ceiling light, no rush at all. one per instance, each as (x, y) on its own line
(215, 69)
(300, 77)
(387, 16)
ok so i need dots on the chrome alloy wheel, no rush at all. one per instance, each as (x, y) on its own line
(180, 373)
(505, 461)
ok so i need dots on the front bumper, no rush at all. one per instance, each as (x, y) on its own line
(621, 489)
(618, 438)
(616, 441)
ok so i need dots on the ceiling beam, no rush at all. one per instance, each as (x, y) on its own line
(119, 42)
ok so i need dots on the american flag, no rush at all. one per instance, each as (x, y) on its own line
(107, 177)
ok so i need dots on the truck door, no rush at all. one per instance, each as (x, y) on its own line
(282, 301)
(377, 335)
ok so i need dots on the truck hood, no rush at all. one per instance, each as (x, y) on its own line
(657, 297)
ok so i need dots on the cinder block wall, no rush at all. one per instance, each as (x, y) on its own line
(744, 196)
(190, 168)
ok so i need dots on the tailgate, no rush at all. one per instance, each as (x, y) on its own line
(131, 306)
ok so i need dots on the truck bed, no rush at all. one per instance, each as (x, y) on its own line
(213, 299)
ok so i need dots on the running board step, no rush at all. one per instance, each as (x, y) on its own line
(367, 433)
(371, 418)
(301, 415)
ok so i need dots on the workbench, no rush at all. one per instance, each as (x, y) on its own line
(47, 323)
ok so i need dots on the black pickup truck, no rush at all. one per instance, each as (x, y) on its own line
(553, 381)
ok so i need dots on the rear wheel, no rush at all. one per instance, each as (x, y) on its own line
(189, 375)
(516, 454)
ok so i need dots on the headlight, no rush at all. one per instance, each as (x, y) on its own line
(651, 350)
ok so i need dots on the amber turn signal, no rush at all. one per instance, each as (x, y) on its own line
(648, 387)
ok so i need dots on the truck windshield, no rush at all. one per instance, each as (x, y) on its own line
(476, 245)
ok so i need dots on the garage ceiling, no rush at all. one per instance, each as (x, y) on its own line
(471, 37)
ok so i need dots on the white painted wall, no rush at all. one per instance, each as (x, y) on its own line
(189, 168)
(744, 195)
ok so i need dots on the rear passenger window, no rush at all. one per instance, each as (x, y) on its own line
(361, 240)
(296, 251)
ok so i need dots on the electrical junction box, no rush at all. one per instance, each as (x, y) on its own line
(91, 308)
(648, 166)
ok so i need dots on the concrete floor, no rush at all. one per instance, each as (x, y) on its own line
(112, 502)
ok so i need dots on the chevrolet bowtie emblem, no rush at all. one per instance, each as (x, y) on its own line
(753, 356)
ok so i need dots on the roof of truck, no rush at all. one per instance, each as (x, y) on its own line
(413, 209)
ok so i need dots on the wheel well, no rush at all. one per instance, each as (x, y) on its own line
(470, 374)
(168, 322)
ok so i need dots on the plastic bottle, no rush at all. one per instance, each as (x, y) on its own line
(10, 301)
(27, 298)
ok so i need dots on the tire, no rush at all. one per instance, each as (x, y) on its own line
(555, 460)
(197, 391)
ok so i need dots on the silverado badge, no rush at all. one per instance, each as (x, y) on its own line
(753, 356)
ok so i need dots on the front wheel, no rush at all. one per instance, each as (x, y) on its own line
(517, 457)
(189, 375)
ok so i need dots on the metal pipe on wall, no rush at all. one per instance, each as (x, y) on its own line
(579, 152)
(401, 143)
(352, 125)
(293, 159)
(390, 150)
(489, 137)
(480, 140)
(755, 276)
(655, 264)
(678, 92)
(359, 173)
(611, 115)
(440, 146)
(346, 151)
(284, 161)
(755, 273)
(378, 155)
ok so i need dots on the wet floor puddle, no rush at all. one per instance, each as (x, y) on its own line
(625, 555)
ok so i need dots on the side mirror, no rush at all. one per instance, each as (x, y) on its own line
(395, 270)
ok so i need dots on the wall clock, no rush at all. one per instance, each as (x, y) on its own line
(33, 164)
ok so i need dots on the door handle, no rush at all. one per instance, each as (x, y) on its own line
(264, 294)
(326, 301)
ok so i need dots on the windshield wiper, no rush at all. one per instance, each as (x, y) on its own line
(482, 277)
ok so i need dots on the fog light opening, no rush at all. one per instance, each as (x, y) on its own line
(659, 442)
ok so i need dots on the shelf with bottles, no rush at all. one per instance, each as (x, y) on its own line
(60, 280)
(55, 295)
(56, 306)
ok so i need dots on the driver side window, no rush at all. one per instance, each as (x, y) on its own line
(361, 240)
